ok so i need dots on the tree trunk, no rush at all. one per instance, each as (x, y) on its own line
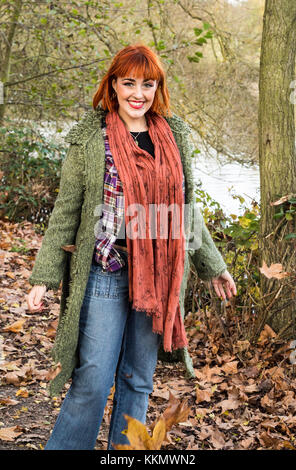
(5, 67)
(277, 159)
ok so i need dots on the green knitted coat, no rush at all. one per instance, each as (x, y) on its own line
(73, 220)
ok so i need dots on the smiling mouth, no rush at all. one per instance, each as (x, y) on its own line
(136, 104)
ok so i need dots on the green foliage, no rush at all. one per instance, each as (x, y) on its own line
(286, 210)
(31, 170)
(236, 236)
(200, 41)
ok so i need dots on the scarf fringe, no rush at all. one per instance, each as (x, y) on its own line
(148, 310)
(177, 342)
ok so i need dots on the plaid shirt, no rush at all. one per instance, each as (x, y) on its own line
(112, 215)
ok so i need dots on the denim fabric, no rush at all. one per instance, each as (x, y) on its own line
(115, 343)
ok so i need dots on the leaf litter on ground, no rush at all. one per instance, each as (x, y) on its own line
(242, 397)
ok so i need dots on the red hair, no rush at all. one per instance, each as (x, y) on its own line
(140, 61)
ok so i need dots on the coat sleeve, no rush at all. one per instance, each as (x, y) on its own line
(207, 259)
(63, 223)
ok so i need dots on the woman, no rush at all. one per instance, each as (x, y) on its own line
(123, 291)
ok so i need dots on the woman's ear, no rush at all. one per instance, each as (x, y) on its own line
(114, 84)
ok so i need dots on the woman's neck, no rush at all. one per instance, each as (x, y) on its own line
(134, 125)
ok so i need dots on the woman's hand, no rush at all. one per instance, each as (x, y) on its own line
(224, 281)
(34, 298)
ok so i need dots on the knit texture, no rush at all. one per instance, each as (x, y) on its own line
(73, 221)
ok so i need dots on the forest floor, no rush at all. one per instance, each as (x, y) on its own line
(242, 397)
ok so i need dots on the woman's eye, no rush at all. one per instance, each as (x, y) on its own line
(149, 85)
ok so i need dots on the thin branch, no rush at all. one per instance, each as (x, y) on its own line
(51, 72)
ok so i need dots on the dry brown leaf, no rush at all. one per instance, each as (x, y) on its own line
(246, 443)
(208, 374)
(266, 334)
(203, 395)
(269, 424)
(274, 270)
(52, 329)
(9, 434)
(8, 401)
(217, 439)
(281, 200)
(12, 378)
(138, 436)
(22, 393)
(10, 274)
(54, 371)
(161, 393)
(15, 327)
(251, 388)
(241, 346)
(267, 403)
(272, 442)
(230, 404)
(40, 374)
(13, 365)
(205, 432)
(230, 367)
(176, 412)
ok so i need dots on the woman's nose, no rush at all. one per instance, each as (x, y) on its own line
(138, 93)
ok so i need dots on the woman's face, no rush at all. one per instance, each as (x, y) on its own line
(135, 95)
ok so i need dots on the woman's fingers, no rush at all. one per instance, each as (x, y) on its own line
(219, 287)
(219, 290)
(34, 299)
(228, 290)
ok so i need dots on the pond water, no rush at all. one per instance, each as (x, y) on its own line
(220, 179)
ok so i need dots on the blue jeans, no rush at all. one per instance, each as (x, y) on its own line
(115, 342)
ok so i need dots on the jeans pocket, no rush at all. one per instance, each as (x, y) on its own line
(102, 284)
(106, 286)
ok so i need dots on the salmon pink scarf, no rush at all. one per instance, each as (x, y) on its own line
(155, 243)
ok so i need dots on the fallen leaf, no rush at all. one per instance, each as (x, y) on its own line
(266, 334)
(8, 401)
(241, 346)
(217, 439)
(138, 435)
(12, 378)
(203, 395)
(176, 412)
(15, 327)
(274, 270)
(281, 200)
(22, 393)
(10, 274)
(13, 365)
(246, 443)
(230, 367)
(231, 404)
(54, 371)
(9, 434)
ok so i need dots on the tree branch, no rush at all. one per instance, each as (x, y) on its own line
(52, 72)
